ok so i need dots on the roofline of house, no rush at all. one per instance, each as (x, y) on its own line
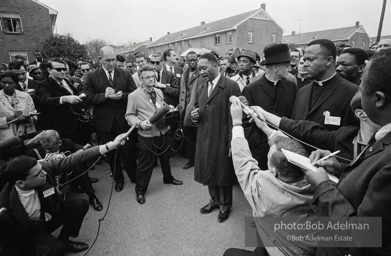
(51, 10)
(187, 38)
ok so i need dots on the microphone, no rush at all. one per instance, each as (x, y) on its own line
(156, 117)
(246, 109)
(8, 143)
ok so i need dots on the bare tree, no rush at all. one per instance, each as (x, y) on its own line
(93, 48)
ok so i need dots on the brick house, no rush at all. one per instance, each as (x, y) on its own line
(25, 25)
(355, 36)
(134, 48)
(251, 30)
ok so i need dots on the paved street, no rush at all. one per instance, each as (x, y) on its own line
(168, 224)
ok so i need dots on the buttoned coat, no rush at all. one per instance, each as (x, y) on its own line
(334, 101)
(108, 112)
(213, 165)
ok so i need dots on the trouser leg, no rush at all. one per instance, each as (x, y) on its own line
(145, 165)
(164, 143)
(191, 140)
(225, 197)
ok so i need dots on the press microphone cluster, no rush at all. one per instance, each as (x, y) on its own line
(158, 115)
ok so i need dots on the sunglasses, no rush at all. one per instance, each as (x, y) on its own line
(61, 69)
(155, 62)
(84, 70)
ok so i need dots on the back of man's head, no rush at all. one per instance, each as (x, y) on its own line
(210, 57)
(17, 168)
(378, 73)
(49, 138)
(286, 170)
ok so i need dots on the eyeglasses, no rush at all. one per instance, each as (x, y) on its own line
(155, 62)
(148, 77)
(9, 83)
(84, 70)
(61, 69)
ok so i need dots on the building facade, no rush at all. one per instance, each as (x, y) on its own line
(251, 30)
(25, 25)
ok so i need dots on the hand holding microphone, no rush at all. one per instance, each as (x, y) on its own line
(241, 100)
(147, 124)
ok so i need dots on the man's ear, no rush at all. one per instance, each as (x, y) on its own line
(360, 114)
(361, 68)
(60, 143)
(20, 183)
(330, 60)
(381, 99)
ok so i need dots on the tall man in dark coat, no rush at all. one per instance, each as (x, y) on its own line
(274, 93)
(107, 88)
(213, 163)
(327, 99)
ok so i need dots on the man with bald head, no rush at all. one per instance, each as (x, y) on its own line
(107, 88)
(383, 44)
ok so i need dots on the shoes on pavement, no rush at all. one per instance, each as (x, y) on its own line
(174, 182)
(119, 186)
(94, 180)
(188, 165)
(140, 198)
(75, 246)
(208, 208)
(223, 215)
(96, 204)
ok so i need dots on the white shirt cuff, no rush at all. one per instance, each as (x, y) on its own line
(237, 132)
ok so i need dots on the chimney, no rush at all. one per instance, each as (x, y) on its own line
(150, 39)
(202, 23)
(293, 33)
(263, 7)
(357, 24)
(168, 33)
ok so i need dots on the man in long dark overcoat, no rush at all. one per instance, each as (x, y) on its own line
(213, 163)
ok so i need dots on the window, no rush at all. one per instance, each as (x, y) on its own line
(11, 23)
(217, 39)
(353, 44)
(274, 37)
(12, 55)
(250, 37)
(229, 37)
(183, 44)
(363, 44)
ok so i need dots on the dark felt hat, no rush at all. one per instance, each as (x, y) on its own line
(249, 54)
(277, 53)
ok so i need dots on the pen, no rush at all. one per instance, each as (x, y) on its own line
(326, 157)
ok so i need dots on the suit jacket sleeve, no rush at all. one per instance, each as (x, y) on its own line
(173, 89)
(93, 97)
(47, 99)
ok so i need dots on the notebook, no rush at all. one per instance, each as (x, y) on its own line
(304, 163)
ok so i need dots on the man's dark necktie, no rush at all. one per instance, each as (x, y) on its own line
(248, 80)
(171, 70)
(110, 77)
(158, 76)
(152, 95)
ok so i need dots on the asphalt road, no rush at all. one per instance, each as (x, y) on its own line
(168, 224)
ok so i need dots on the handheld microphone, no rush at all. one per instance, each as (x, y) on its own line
(156, 117)
(8, 143)
(246, 109)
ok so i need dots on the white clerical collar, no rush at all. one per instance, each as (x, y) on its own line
(383, 131)
(321, 83)
(25, 193)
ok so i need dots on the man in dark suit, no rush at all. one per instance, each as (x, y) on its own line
(326, 100)
(364, 188)
(274, 93)
(31, 206)
(213, 164)
(170, 59)
(165, 81)
(62, 104)
(107, 88)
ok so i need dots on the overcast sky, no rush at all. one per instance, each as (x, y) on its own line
(122, 21)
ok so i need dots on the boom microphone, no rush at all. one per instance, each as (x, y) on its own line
(156, 117)
(8, 143)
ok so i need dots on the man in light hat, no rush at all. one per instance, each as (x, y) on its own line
(246, 75)
(273, 92)
(35, 72)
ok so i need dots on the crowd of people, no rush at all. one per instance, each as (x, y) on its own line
(334, 98)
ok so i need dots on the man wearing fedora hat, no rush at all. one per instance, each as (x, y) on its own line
(326, 100)
(246, 75)
(272, 91)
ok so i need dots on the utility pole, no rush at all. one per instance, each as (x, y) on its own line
(381, 20)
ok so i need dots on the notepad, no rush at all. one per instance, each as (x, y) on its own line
(304, 163)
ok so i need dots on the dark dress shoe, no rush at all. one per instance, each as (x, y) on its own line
(75, 246)
(174, 182)
(223, 215)
(96, 204)
(208, 208)
(94, 180)
(119, 186)
(140, 199)
(188, 165)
